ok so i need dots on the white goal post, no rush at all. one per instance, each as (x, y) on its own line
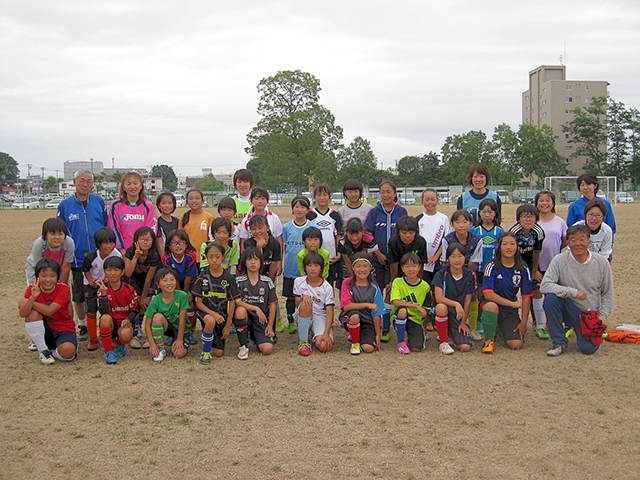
(565, 188)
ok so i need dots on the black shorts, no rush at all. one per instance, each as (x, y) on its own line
(257, 330)
(508, 320)
(367, 329)
(172, 332)
(457, 337)
(77, 285)
(287, 287)
(218, 342)
(91, 298)
(54, 339)
(415, 336)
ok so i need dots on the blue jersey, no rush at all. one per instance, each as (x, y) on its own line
(527, 244)
(470, 201)
(507, 281)
(489, 243)
(293, 244)
(382, 225)
(455, 288)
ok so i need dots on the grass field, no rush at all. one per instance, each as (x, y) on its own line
(511, 414)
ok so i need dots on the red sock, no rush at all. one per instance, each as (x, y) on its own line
(354, 331)
(442, 325)
(191, 318)
(105, 337)
(92, 326)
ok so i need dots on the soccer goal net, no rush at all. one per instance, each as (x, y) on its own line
(566, 190)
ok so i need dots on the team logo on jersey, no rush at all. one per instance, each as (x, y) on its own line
(203, 225)
(411, 298)
(224, 283)
(74, 216)
(499, 276)
(516, 280)
(323, 224)
(261, 291)
(132, 216)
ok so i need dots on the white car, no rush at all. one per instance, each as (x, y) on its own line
(337, 198)
(275, 199)
(406, 199)
(26, 203)
(53, 203)
(624, 197)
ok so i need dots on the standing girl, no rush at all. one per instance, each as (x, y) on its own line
(221, 232)
(131, 211)
(555, 233)
(478, 177)
(504, 278)
(381, 223)
(196, 221)
(181, 257)
(434, 226)
(166, 205)
(362, 306)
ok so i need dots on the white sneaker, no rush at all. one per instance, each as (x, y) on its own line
(476, 336)
(32, 347)
(160, 356)
(145, 344)
(445, 349)
(46, 358)
(243, 352)
(135, 343)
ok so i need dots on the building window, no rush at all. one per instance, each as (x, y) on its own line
(567, 161)
(586, 99)
(526, 97)
(568, 87)
(586, 87)
(544, 114)
(568, 148)
(567, 135)
(567, 123)
(568, 112)
(527, 108)
(568, 99)
(544, 102)
(544, 90)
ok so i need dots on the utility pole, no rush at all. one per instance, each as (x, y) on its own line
(42, 180)
(29, 177)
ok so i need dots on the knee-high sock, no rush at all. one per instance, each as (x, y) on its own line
(303, 329)
(490, 323)
(92, 326)
(207, 341)
(105, 338)
(35, 330)
(157, 332)
(473, 315)
(191, 319)
(354, 331)
(242, 330)
(291, 306)
(442, 325)
(540, 317)
(386, 322)
(401, 328)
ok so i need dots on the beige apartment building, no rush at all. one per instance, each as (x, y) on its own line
(551, 99)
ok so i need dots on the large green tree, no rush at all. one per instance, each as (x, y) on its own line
(461, 151)
(296, 135)
(169, 178)
(209, 184)
(358, 161)
(618, 151)
(589, 134)
(419, 170)
(8, 169)
(634, 144)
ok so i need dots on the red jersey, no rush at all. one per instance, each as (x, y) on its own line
(121, 302)
(60, 321)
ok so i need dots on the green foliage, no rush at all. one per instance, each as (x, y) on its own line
(589, 134)
(358, 161)
(117, 176)
(296, 135)
(8, 169)
(209, 184)
(619, 159)
(169, 178)
(51, 184)
(459, 152)
(415, 170)
(634, 144)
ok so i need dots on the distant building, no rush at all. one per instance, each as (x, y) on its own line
(71, 167)
(152, 185)
(551, 99)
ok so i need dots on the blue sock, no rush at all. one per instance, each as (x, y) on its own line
(386, 322)
(401, 328)
(303, 329)
(207, 341)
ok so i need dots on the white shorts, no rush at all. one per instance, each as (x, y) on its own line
(318, 324)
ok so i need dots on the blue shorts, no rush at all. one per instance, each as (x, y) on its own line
(256, 330)
(54, 339)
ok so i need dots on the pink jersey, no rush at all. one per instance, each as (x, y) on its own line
(124, 219)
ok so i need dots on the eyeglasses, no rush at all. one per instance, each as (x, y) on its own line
(181, 243)
(84, 181)
(146, 240)
(595, 215)
(528, 216)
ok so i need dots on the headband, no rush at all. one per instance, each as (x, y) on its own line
(361, 259)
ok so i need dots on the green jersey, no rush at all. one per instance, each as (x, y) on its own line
(171, 310)
(416, 294)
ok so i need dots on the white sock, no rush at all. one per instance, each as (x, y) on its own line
(57, 356)
(36, 331)
(82, 321)
(541, 319)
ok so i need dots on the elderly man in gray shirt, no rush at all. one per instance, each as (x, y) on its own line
(576, 281)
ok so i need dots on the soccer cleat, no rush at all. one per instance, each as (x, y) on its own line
(161, 354)
(92, 345)
(205, 358)
(190, 338)
(32, 347)
(135, 343)
(355, 349)
(82, 333)
(480, 328)
(120, 351)
(403, 348)
(292, 328)
(445, 349)
(556, 350)
(542, 334)
(569, 332)
(46, 358)
(304, 349)
(110, 358)
(168, 341)
(145, 344)
(488, 346)
(476, 337)
(384, 337)
(279, 325)
(243, 352)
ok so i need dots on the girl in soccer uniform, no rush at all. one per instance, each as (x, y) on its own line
(256, 306)
(221, 232)
(181, 257)
(407, 240)
(330, 224)
(196, 221)
(555, 233)
(504, 277)
(54, 243)
(453, 288)
(215, 291)
(362, 306)
(131, 211)
(354, 207)
(356, 240)
(434, 226)
(166, 205)
(478, 177)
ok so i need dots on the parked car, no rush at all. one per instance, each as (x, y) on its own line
(624, 197)
(524, 196)
(309, 195)
(405, 198)
(275, 199)
(218, 197)
(503, 195)
(26, 203)
(569, 196)
(53, 203)
(181, 201)
(337, 198)
(444, 198)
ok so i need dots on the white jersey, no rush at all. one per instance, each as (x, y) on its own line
(330, 224)
(433, 229)
(322, 295)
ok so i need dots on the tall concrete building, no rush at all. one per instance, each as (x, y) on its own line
(71, 167)
(551, 99)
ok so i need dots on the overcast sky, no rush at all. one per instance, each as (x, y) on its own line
(153, 82)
